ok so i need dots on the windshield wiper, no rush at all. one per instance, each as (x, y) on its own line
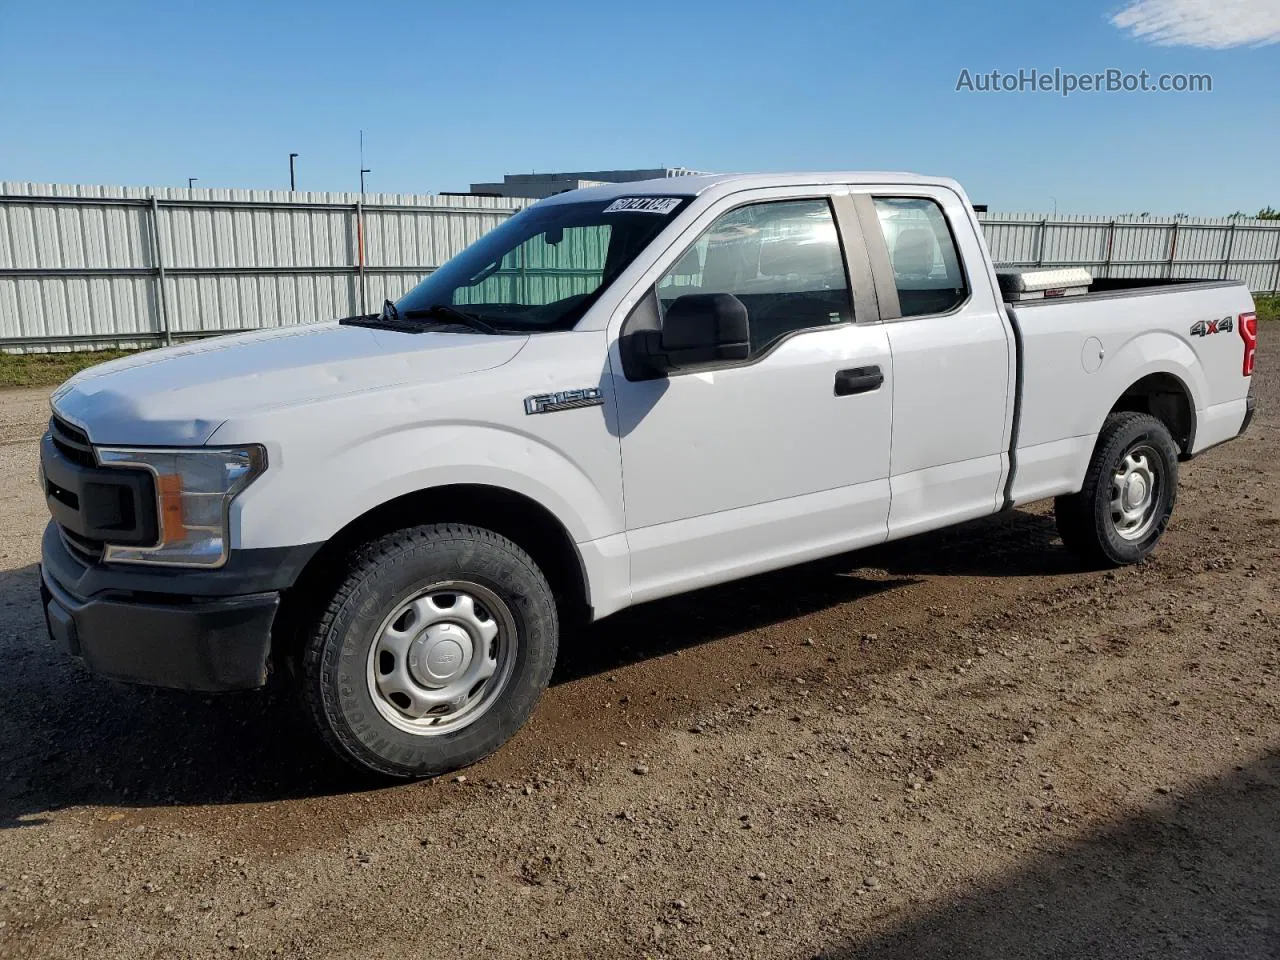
(393, 318)
(447, 312)
(388, 319)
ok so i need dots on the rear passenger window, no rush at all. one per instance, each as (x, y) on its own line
(926, 267)
(781, 259)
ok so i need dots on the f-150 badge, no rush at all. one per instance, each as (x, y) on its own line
(563, 400)
(1203, 328)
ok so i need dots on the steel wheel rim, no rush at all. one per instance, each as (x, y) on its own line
(440, 659)
(1137, 487)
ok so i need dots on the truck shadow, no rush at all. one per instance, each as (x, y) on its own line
(69, 738)
(1195, 875)
(1010, 544)
(703, 616)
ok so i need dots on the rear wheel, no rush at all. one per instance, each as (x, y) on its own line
(1128, 495)
(432, 652)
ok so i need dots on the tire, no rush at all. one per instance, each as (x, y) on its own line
(391, 646)
(1116, 519)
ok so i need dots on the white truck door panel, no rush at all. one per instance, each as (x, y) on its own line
(953, 363)
(753, 465)
(758, 466)
(951, 389)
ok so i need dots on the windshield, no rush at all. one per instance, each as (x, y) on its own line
(544, 267)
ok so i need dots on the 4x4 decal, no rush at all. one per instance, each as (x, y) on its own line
(1203, 328)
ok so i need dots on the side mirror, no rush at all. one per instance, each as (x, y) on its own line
(700, 328)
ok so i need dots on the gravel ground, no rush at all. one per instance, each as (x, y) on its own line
(962, 745)
(23, 415)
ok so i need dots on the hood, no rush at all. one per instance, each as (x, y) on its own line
(180, 395)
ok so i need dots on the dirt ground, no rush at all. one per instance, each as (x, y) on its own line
(962, 745)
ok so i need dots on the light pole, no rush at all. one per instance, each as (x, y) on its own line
(363, 168)
(293, 181)
(1055, 207)
(191, 182)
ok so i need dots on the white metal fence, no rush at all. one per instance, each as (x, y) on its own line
(1205, 248)
(134, 266)
(95, 266)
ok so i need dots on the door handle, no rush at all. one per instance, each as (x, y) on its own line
(858, 380)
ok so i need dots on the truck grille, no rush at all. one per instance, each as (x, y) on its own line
(71, 442)
(94, 505)
(82, 548)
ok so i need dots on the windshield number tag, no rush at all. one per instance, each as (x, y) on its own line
(662, 205)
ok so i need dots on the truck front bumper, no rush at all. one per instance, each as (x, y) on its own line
(210, 645)
(159, 636)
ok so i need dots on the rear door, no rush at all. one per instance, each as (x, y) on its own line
(742, 466)
(953, 358)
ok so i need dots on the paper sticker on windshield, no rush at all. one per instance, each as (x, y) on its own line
(643, 205)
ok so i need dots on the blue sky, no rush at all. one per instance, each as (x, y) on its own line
(447, 93)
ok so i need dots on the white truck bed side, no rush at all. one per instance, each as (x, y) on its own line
(1080, 355)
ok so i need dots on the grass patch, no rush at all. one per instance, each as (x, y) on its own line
(1268, 307)
(50, 369)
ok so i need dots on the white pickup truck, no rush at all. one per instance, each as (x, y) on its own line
(621, 393)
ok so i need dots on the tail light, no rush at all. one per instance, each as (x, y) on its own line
(1248, 327)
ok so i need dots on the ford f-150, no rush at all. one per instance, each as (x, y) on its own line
(621, 393)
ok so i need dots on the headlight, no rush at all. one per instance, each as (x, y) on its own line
(194, 490)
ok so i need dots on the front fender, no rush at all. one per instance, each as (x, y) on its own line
(301, 502)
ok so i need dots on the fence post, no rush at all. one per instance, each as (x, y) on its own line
(1173, 247)
(1044, 229)
(1275, 278)
(1231, 244)
(157, 261)
(364, 289)
(1111, 242)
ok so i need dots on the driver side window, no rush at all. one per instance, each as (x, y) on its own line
(781, 259)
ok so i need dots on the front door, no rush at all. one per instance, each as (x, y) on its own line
(745, 466)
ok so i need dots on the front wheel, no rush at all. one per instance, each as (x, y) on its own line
(432, 652)
(1128, 495)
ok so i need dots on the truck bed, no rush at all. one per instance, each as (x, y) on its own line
(1101, 287)
(1083, 347)
(1133, 286)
